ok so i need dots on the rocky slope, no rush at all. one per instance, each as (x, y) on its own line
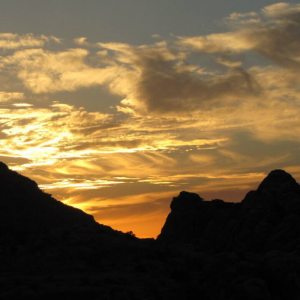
(26, 210)
(51, 250)
(210, 250)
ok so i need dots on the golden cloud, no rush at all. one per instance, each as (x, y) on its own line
(15, 41)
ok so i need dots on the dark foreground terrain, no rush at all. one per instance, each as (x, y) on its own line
(207, 249)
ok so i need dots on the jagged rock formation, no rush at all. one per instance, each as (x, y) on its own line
(247, 250)
(191, 217)
(210, 250)
(267, 219)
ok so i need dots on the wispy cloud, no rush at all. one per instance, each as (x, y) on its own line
(15, 41)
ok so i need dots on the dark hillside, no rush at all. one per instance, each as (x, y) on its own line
(210, 250)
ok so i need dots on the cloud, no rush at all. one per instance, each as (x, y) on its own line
(150, 78)
(15, 41)
(220, 42)
(7, 96)
(21, 104)
(276, 38)
(44, 71)
(46, 135)
(163, 83)
(81, 41)
(235, 15)
(281, 9)
(80, 184)
(159, 78)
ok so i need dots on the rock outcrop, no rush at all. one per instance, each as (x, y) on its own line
(267, 219)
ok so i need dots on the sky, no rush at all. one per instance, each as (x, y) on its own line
(114, 107)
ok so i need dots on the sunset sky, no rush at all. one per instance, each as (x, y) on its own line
(115, 106)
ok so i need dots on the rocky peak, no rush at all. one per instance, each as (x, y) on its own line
(278, 180)
(186, 202)
(252, 225)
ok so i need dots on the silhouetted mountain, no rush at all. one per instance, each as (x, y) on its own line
(247, 250)
(210, 250)
(267, 219)
(48, 249)
(26, 210)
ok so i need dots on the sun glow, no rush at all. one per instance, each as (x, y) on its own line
(77, 185)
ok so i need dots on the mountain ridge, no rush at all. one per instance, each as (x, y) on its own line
(210, 250)
(27, 210)
(216, 224)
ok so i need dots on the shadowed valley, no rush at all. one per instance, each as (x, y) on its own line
(206, 250)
